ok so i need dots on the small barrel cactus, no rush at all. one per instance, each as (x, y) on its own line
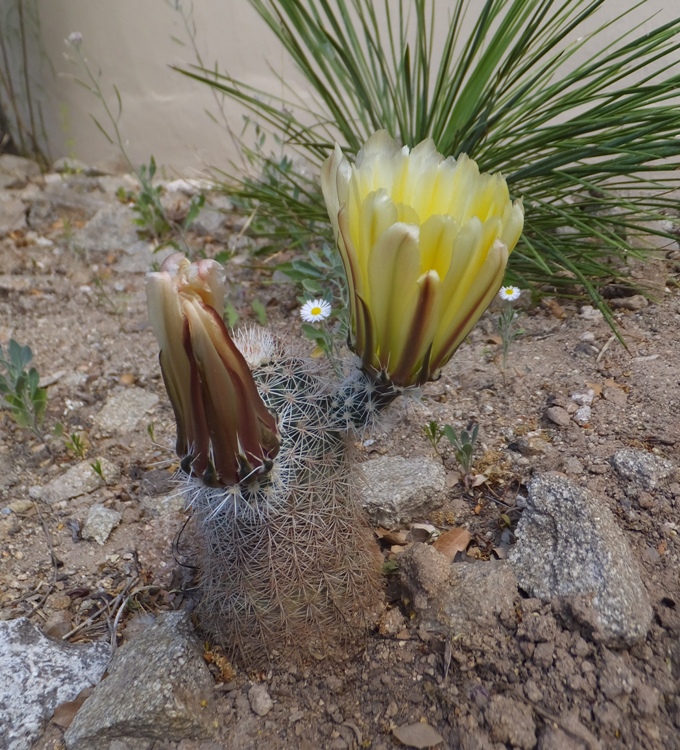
(288, 564)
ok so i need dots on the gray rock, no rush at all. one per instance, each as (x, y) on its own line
(140, 257)
(124, 409)
(80, 479)
(209, 221)
(260, 700)
(641, 468)
(38, 674)
(12, 213)
(634, 303)
(111, 228)
(158, 688)
(568, 545)
(558, 416)
(418, 735)
(19, 167)
(65, 164)
(399, 490)
(460, 597)
(100, 522)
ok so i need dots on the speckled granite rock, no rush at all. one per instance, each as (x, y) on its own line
(399, 490)
(568, 544)
(36, 675)
(158, 688)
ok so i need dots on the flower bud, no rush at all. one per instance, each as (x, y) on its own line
(225, 434)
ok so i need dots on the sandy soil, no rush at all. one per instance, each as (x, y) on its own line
(84, 317)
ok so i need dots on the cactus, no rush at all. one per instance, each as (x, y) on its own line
(288, 564)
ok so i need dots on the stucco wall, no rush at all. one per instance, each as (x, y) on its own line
(131, 43)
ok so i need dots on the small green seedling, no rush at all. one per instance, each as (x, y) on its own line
(76, 444)
(20, 391)
(463, 445)
(434, 432)
(97, 468)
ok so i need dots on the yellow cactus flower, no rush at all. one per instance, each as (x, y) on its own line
(424, 241)
(225, 433)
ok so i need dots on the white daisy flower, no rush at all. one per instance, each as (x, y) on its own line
(315, 310)
(510, 293)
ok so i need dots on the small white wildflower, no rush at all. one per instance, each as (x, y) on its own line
(510, 293)
(75, 39)
(315, 310)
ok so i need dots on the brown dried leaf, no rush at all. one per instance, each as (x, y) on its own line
(553, 307)
(596, 387)
(390, 537)
(453, 541)
(64, 713)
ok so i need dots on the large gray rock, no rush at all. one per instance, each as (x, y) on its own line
(462, 598)
(36, 675)
(569, 545)
(111, 228)
(399, 490)
(158, 688)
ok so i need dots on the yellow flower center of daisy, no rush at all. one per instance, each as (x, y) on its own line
(315, 311)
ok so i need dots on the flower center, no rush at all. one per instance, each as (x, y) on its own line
(315, 311)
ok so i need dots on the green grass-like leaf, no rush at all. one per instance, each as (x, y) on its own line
(590, 146)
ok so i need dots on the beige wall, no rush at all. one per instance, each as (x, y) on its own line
(131, 43)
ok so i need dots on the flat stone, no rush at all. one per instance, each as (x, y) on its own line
(19, 166)
(38, 674)
(158, 688)
(12, 213)
(558, 416)
(569, 545)
(418, 735)
(111, 228)
(461, 598)
(100, 522)
(140, 257)
(399, 490)
(634, 303)
(641, 468)
(124, 409)
(80, 479)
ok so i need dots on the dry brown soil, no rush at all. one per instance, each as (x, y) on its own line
(86, 323)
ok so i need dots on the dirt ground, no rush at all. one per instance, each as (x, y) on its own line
(84, 316)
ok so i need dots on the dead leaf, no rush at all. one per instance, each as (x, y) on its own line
(553, 307)
(478, 479)
(390, 537)
(494, 339)
(64, 713)
(613, 384)
(453, 541)
(418, 735)
(596, 387)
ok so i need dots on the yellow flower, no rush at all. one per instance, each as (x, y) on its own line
(424, 241)
(225, 433)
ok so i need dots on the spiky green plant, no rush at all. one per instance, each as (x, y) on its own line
(584, 129)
